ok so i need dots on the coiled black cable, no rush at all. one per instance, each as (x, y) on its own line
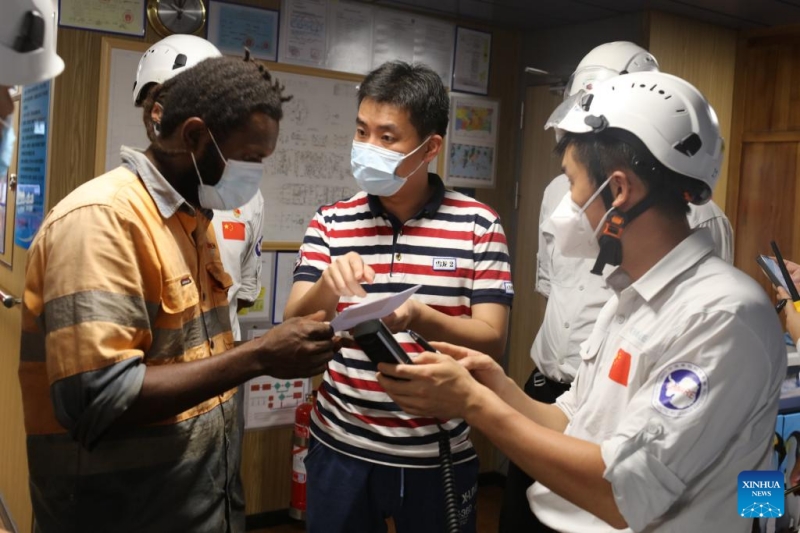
(448, 482)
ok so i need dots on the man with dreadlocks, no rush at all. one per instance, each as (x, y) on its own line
(128, 366)
(238, 228)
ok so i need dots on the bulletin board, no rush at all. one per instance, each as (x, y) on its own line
(311, 163)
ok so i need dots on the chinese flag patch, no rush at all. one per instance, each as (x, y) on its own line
(233, 231)
(620, 368)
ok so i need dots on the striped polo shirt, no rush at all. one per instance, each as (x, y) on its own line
(124, 274)
(455, 248)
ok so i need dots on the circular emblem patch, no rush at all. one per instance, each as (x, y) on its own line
(681, 388)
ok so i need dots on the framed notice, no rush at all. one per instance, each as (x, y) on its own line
(472, 59)
(232, 27)
(32, 162)
(126, 17)
(471, 159)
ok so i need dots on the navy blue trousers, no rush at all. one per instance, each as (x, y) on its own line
(345, 494)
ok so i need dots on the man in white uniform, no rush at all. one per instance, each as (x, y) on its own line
(677, 390)
(238, 230)
(575, 295)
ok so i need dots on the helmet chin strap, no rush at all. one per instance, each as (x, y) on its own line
(610, 235)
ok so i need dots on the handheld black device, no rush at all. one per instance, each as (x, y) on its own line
(789, 284)
(379, 344)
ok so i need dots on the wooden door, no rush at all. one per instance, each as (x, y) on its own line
(539, 167)
(13, 457)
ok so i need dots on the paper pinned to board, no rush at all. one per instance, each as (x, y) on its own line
(367, 310)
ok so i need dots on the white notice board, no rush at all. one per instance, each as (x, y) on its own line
(311, 163)
(119, 122)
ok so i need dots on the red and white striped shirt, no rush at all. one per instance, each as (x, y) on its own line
(455, 248)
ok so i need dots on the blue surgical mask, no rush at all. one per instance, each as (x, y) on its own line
(238, 184)
(374, 168)
(8, 139)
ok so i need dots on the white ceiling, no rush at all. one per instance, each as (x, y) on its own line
(540, 14)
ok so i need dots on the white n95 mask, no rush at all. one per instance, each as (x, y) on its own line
(237, 185)
(374, 168)
(572, 231)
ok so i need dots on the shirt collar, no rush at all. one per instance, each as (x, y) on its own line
(428, 210)
(687, 254)
(167, 199)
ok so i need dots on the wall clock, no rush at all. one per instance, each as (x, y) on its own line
(176, 16)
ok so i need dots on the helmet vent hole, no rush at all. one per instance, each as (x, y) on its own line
(653, 87)
(31, 35)
(660, 91)
(180, 61)
(668, 97)
(690, 145)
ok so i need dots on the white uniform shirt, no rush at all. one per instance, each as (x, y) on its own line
(679, 385)
(575, 295)
(239, 238)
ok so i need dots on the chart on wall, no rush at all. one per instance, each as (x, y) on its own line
(270, 401)
(311, 163)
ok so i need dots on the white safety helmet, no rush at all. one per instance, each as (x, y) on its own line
(606, 61)
(667, 114)
(28, 42)
(168, 57)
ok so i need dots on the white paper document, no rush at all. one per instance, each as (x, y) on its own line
(367, 310)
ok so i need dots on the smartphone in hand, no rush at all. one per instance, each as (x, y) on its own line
(772, 270)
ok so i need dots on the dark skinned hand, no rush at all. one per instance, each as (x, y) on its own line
(299, 347)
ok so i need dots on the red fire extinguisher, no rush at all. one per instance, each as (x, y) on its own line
(302, 422)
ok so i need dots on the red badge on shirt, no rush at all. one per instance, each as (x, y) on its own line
(620, 368)
(233, 231)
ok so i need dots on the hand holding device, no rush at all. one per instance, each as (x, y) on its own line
(786, 276)
(772, 270)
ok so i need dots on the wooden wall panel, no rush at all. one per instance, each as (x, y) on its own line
(771, 69)
(503, 84)
(74, 113)
(704, 55)
(764, 188)
(267, 469)
(767, 204)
